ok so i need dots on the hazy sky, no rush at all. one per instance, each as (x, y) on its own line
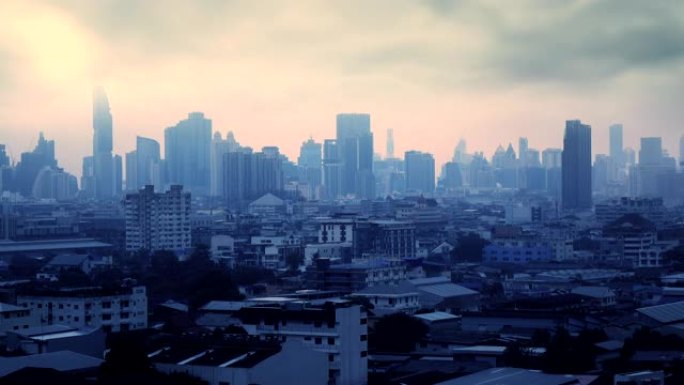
(277, 72)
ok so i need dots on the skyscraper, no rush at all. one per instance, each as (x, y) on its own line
(103, 162)
(187, 148)
(650, 166)
(522, 151)
(355, 142)
(332, 169)
(616, 151)
(132, 171)
(247, 175)
(31, 163)
(219, 148)
(576, 169)
(681, 151)
(420, 172)
(310, 162)
(147, 161)
(390, 143)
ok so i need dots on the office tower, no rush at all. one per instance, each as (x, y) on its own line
(651, 151)
(4, 159)
(148, 155)
(118, 175)
(552, 158)
(390, 143)
(460, 152)
(132, 171)
(650, 166)
(532, 158)
(158, 221)
(576, 169)
(420, 172)
(187, 148)
(54, 183)
(522, 151)
(332, 169)
(310, 162)
(31, 163)
(88, 177)
(452, 176)
(616, 151)
(681, 151)
(103, 162)
(219, 148)
(600, 172)
(247, 176)
(355, 149)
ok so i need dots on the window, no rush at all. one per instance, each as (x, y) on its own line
(106, 317)
(364, 353)
(364, 321)
(318, 340)
(331, 340)
(364, 337)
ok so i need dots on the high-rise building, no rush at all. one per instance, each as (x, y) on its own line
(31, 163)
(576, 169)
(522, 151)
(355, 142)
(390, 143)
(332, 169)
(247, 176)
(132, 171)
(103, 162)
(219, 148)
(118, 175)
(4, 159)
(681, 151)
(88, 177)
(147, 161)
(650, 166)
(187, 148)
(420, 172)
(158, 221)
(616, 150)
(310, 162)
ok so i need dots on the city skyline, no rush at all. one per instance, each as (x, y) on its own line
(455, 70)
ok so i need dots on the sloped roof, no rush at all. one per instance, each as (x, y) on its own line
(512, 376)
(68, 260)
(668, 313)
(6, 307)
(403, 287)
(593, 291)
(268, 199)
(61, 361)
(447, 290)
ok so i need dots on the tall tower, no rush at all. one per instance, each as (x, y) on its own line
(522, 151)
(390, 143)
(681, 151)
(103, 162)
(355, 142)
(616, 152)
(576, 164)
(187, 148)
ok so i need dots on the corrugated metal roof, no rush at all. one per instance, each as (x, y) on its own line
(447, 290)
(668, 313)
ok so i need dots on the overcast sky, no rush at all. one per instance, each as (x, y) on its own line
(277, 72)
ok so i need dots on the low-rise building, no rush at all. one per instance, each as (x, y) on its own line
(112, 310)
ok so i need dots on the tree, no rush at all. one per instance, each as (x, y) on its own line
(397, 332)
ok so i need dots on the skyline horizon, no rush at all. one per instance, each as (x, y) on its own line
(291, 150)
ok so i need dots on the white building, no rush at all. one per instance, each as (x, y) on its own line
(334, 230)
(85, 308)
(158, 221)
(338, 329)
(13, 318)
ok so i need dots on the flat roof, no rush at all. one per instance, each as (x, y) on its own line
(53, 244)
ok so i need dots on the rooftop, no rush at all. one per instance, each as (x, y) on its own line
(668, 313)
(54, 244)
(61, 361)
(512, 376)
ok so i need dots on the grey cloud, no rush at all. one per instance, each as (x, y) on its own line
(597, 40)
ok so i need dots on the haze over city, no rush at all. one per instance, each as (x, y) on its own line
(276, 73)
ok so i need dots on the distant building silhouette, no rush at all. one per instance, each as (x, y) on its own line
(103, 161)
(616, 150)
(187, 149)
(310, 162)
(332, 169)
(576, 169)
(355, 142)
(420, 172)
(219, 148)
(248, 175)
